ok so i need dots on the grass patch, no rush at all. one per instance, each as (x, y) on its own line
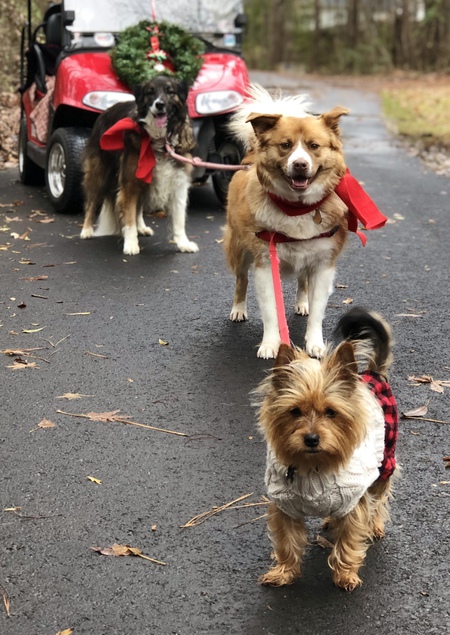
(419, 112)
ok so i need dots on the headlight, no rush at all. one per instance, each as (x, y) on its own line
(217, 101)
(102, 99)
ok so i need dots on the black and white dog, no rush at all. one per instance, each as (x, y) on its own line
(113, 178)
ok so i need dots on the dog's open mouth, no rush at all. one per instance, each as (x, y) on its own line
(161, 120)
(298, 182)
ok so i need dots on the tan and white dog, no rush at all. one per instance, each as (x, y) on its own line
(296, 162)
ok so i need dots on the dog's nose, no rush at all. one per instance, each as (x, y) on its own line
(300, 166)
(159, 105)
(312, 440)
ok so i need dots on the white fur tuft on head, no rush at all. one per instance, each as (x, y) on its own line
(259, 100)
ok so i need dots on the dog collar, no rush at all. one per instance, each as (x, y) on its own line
(360, 206)
(277, 237)
(113, 139)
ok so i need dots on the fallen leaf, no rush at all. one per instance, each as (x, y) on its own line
(17, 365)
(219, 240)
(447, 461)
(414, 315)
(12, 509)
(124, 550)
(6, 600)
(22, 305)
(436, 386)
(104, 416)
(72, 395)
(45, 423)
(154, 527)
(66, 631)
(96, 355)
(347, 301)
(35, 278)
(33, 330)
(163, 342)
(45, 220)
(342, 286)
(323, 543)
(94, 480)
(418, 412)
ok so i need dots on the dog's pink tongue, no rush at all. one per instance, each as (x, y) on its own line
(300, 183)
(161, 121)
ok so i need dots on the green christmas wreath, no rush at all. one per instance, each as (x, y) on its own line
(133, 61)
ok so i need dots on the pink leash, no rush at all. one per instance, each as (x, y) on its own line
(198, 163)
(281, 315)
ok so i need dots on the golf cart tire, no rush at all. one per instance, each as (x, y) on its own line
(231, 153)
(64, 173)
(29, 172)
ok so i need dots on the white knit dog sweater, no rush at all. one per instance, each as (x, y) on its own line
(316, 494)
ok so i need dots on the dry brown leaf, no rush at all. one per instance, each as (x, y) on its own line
(72, 395)
(447, 461)
(66, 631)
(436, 386)
(94, 480)
(35, 278)
(45, 423)
(323, 543)
(44, 220)
(33, 330)
(163, 342)
(417, 412)
(104, 416)
(423, 379)
(347, 301)
(6, 601)
(124, 550)
(18, 365)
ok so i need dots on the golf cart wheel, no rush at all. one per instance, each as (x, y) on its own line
(230, 153)
(63, 174)
(29, 172)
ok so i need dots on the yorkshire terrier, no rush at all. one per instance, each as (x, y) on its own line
(331, 433)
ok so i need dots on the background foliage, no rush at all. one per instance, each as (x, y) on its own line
(349, 36)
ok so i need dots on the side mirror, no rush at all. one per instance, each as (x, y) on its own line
(69, 18)
(240, 21)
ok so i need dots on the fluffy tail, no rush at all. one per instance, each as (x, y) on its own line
(371, 336)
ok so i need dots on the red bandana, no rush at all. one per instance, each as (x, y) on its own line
(360, 206)
(112, 139)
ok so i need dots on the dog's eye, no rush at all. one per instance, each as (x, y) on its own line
(286, 145)
(314, 146)
(296, 412)
(330, 413)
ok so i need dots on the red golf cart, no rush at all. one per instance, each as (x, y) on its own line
(67, 80)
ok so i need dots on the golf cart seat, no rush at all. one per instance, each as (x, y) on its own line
(42, 57)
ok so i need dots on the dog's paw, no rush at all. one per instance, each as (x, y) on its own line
(187, 246)
(347, 580)
(301, 308)
(278, 576)
(238, 313)
(269, 349)
(144, 230)
(315, 346)
(87, 232)
(131, 248)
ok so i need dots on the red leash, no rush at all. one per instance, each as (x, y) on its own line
(281, 314)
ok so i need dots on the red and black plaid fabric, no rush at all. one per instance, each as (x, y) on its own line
(386, 399)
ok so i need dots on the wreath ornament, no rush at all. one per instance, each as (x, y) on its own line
(170, 51)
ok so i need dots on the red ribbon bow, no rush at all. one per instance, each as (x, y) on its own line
(112, 139)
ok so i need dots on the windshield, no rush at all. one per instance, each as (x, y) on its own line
(113, 16)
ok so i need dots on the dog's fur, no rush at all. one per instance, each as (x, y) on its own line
(109, 176)
(298, 157)
(315, 415)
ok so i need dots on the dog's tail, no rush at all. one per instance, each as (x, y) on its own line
(371, 336)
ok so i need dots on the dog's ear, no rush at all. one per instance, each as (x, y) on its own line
(331, 119)
(183, 89)
(286, 355)
(343, 360)
(262, 123)
(138, 91)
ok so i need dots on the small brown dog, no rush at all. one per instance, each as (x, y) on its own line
(331, 436)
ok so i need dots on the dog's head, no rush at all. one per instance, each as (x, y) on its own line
(314, 413)
(161, 106)
(299, 158)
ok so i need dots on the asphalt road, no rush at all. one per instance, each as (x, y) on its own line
(101, 317)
